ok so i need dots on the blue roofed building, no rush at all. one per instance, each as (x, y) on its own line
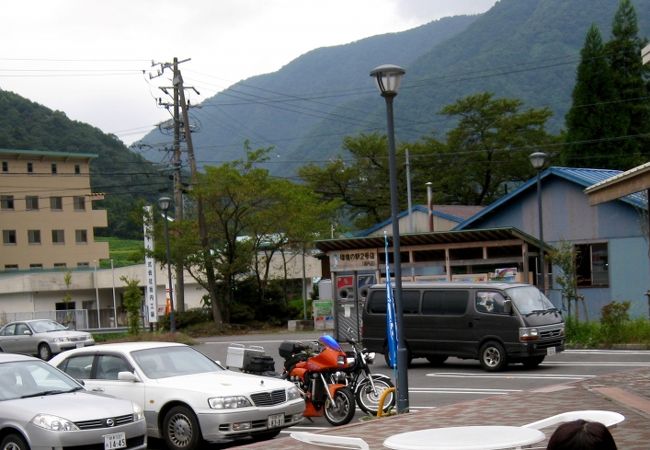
(610, 239)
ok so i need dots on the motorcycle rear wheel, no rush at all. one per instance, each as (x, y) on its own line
(341, 410)
(368, 400)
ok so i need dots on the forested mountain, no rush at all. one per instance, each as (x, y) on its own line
(121, 174)
(525, 49)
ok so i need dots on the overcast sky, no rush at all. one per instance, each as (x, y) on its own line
(87, 57)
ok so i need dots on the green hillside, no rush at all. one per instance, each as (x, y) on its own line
(526, 49)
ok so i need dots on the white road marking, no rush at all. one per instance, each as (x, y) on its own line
(511, 376)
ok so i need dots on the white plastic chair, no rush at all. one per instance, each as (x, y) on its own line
(330, 440)
(607, 418)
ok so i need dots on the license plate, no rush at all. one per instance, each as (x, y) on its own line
(550, 351)
(114, 440)
(276, 420)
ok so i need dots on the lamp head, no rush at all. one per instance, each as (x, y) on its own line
(164, 203)
(537, 160)
(388, 78)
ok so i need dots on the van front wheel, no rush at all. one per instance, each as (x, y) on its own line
(493, 356)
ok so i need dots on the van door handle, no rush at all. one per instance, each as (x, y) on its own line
(470, 324)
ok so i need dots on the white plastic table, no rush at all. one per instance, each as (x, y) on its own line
(465, 438)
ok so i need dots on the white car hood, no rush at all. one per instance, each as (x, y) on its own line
(74, 406)
(225, 382)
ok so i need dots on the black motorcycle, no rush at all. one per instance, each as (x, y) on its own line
(367, 387)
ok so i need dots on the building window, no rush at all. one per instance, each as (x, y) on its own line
(60, 266)
(592, 265)
(83, 264)
(53, 168)
(77, 169)
(81, 236)
(5, 166)
(31, 202)
(56, 203)
(7, 201)
(30, 167)
(36, 266)
(34, 236)
(11, 266)
(9, 237)
(58, 237)
(79, 203)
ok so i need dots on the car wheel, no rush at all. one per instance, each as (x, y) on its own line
(44, 351)
(181, 429)
(493, 356)
(409, 357)
(13, 442)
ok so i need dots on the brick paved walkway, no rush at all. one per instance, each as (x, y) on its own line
(625, 392)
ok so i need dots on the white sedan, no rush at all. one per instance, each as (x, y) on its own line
(187, 398)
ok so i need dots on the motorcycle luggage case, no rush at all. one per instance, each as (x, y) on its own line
(289, 348)
(261, 364)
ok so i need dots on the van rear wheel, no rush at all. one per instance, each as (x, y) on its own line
(493, 356)
(409, 357)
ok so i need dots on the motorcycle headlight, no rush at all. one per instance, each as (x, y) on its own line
(53, 423)
(293, 393)
(231, 402)
(370, 357)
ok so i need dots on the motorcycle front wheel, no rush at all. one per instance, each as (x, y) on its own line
(341, 410)
(368, 399)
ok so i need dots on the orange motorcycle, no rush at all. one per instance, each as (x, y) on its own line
(312, 372)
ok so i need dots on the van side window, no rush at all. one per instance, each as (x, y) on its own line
(490, 302)
(377, 302)
(450, 302)
(411, 302)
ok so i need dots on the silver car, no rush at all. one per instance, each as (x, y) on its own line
(187, 397)
(42, 408)
(42, 337)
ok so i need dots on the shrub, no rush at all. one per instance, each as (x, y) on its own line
(614, 316)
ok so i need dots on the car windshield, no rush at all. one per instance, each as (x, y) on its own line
(163, 362)
(33, 378)
(41, 326)
(529, 299)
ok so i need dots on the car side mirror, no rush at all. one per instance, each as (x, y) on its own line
(127, 376)
(27, 333)
(507, 307)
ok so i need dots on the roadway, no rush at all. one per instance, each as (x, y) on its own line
(456, 380)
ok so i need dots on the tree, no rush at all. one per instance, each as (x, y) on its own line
(360, 183)
(589, 122)
(132, 303)
(247, 212)
(67, 298)
(631, 118)
(489, 146)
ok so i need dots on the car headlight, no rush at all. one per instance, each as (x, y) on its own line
(528, 334)
(293, 393)
(53, 423)
(61, 339)
(231, 402)
(138, 414)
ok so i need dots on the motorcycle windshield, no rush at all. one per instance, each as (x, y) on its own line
(329, 341)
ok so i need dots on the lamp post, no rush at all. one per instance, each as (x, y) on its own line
(164, 203)
(388, 78)
(537, 160)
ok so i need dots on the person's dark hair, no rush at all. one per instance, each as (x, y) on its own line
(581, 435)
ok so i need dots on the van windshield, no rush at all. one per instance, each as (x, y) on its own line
(529, 299)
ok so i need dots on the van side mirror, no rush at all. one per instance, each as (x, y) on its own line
(507, 307)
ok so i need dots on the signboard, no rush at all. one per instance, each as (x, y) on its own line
(323, 314)
(150, 268)
(353, 260)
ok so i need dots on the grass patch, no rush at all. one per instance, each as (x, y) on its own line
(123, 252)
(145, 336)
(597, 335)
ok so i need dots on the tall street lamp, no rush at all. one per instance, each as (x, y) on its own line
(388, 78)
(164, 203)
(538, 159)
